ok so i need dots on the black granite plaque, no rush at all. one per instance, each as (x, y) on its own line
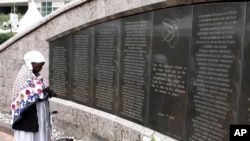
(169, 70)
(215, 70)
(135, 70)
(182, 71)
(244, 103)
(81, 66)
(107, 56)
(59, 66)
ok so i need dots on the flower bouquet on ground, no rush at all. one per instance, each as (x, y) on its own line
(151, 138)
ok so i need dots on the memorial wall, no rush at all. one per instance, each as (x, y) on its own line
(182, 71)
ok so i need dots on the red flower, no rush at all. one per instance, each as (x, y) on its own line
(27, 92)
(39, 91)
(38, 82)
(13, 106)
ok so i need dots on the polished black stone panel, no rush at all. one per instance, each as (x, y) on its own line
(81, 66)
(169, 70)
(107, 65)
(135, 66)
(59, 66)
(244, 103)
(182, 71)
(215, 70)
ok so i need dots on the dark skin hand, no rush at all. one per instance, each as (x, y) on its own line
(37, 67)
(51, 92)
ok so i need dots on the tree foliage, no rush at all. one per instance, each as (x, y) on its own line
(6, 18)
(3, 18)
(4, 37)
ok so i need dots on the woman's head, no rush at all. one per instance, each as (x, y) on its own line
(34, 60)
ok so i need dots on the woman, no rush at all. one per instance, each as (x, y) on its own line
(30, 105)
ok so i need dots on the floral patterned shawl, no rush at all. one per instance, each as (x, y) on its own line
(27, 90)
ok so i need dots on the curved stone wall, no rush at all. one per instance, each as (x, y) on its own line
(77, 15)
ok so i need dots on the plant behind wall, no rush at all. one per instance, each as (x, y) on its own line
(5, 36)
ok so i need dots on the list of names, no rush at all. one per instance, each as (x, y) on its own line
(135, 50)
(80, 82)
(214, 58)
(105, 69)
(59, 70)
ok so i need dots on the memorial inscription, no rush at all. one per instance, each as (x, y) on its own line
(169, 70)
(217, 45)
(81, 64)
(136, 45)
(59, 66)
(106, 65)
(182, 71)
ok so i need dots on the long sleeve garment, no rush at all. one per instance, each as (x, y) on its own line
(30, 107)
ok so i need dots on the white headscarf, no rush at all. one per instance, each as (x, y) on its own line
(33, 57)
